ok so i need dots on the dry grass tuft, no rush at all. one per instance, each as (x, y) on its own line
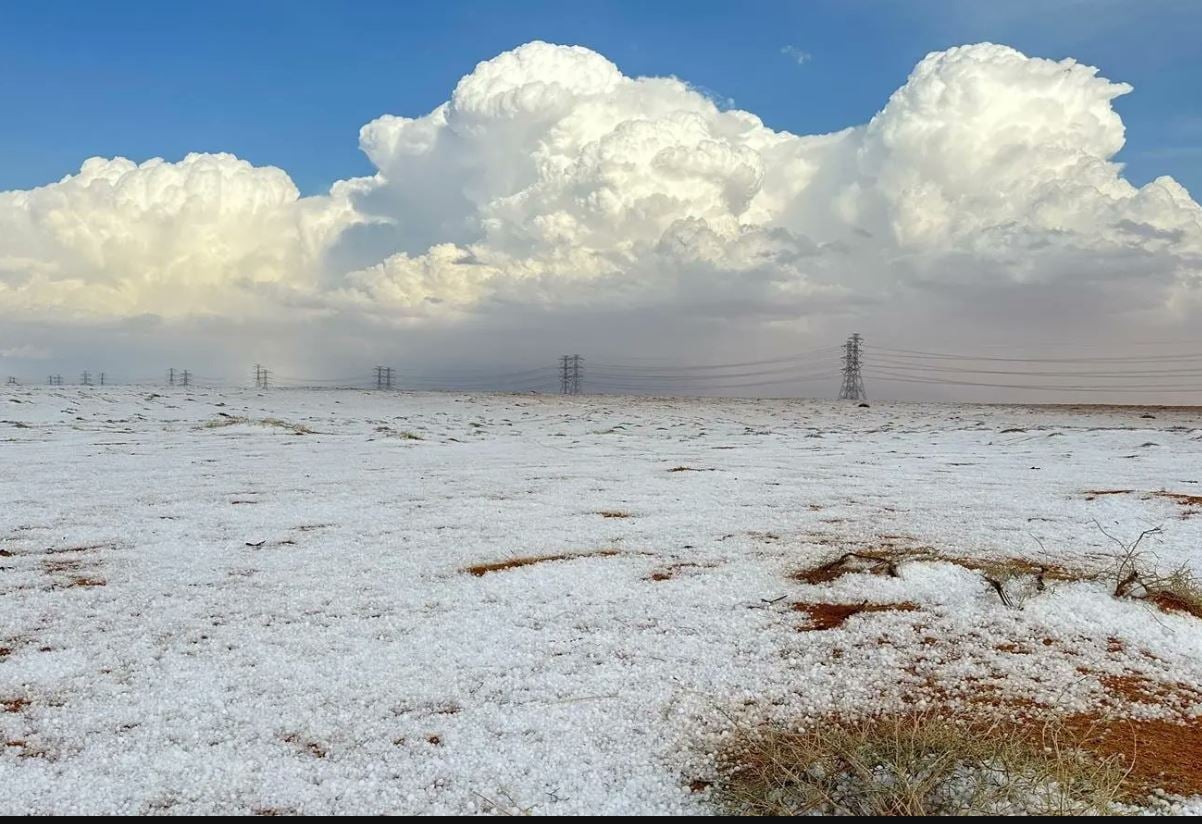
(1136, 576)
(1000, 573)
(277, 423)
(513, 563)
(613, 513)
(917, 765)
(1179, 591)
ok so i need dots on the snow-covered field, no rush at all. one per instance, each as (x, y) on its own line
(200, 613)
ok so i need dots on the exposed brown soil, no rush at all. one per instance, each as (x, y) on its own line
(849, 562)
(1139, 689)
(830, 616)
(1091, 494)
(886, 561)
(13, 704)
(613, 513)
(1172, 602)
(83, 548)
(513, 563)
(1160, 754)
(669, 572)
(1180, 498)
(83, 582)
(1018, 566)
(311, 747)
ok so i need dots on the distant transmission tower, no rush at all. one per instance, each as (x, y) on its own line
(171, 377)
(185, 378)
(86, 378)
(12, 381)
(853, 381)
(102, 379)
(55, 380)
(262, 376)
(569, 374)
(383, 377)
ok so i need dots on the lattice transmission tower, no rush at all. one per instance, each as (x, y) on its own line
(853, 381)
(570, 372)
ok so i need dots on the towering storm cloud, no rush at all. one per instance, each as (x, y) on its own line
(550, 180)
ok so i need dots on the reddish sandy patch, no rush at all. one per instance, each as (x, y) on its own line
(830, 616)
(513, 563)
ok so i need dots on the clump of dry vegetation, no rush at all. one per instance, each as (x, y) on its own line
(1136, 576)
(233, 420)
(918, 764)
(1135, 573)
(403, 434)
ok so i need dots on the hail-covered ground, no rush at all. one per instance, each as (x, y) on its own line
(263, 601)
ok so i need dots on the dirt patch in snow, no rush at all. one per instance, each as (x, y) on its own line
(669, 572)
(830, 616)
(1157, 753)
(14, 704)
(1091, 494)
(1172, 602)
(887, 561)
(1185, 499)
(1180, 498)
(849, 562)
(1161, 755)
(80, 582)
(1135, 688)
(513, 563)
(310, 747)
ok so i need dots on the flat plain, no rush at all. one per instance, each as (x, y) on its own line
(389, 602)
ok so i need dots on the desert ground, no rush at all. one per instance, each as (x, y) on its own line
(305, 601)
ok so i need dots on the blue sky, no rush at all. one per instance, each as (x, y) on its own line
(290, 83)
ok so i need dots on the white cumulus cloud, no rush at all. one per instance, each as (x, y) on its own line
(201, 236)
(550, 179)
